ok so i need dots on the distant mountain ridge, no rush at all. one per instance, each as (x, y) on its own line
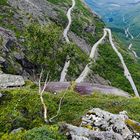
(120, 15)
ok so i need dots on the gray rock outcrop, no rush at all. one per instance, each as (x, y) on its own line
(8, 47)
(102, 125)
(12, 57)
(36, 9)
(81, 43)
(100, 120)
(8, 80)
(80, 133)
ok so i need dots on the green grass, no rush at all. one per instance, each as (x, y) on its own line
(41, 133)
(132, 63)
(3, 2)
(22, 108)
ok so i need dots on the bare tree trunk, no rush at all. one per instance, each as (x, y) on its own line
(41, 91)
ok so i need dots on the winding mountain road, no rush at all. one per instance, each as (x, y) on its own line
(64, 71)
(126, 71)
(65, 34)
(128, 34)
(130, 48)
(127, 74)
(86, 71)
(135, 54)
(128, 31)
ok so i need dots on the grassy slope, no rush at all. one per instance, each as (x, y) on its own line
(22, 108)
(109, 67)
(132, 63)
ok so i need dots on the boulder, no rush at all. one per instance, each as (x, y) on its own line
(102, 125)
(80, 133)
(99, 120)
(8, 80)
(18, 56)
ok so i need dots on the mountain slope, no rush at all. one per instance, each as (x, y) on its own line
(38, 38)
(31, 39)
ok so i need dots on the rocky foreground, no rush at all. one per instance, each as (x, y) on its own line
(102, 125)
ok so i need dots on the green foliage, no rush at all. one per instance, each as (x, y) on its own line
(18, 110)
(3, 2)
(134, 68)
(44, 48)
(132, 62)
(109, 67)
(13, 136)
(78, 61)
(83, 18)
(44, 133)
(22, 108)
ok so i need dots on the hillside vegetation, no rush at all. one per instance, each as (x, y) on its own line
(31, 41)
(47, 42)
(15, 113)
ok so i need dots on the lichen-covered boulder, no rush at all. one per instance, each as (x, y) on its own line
(8, 80)
(102, 125)
(80, 133)
(99, 120)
